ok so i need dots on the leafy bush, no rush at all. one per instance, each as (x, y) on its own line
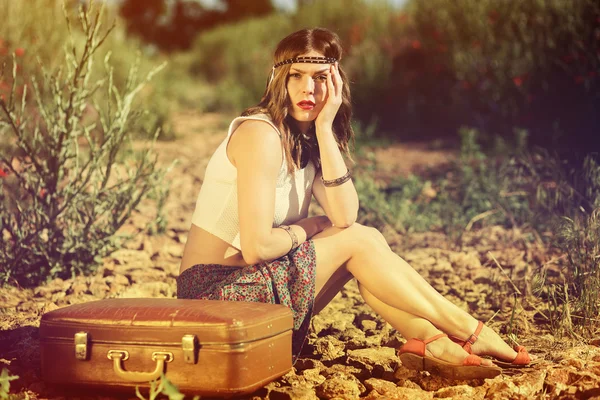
(66, 187)
(508, 63)
(29, 29)
(5, 379)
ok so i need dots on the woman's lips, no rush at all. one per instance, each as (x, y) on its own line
(306, 105)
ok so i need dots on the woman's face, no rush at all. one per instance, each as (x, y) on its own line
(307, 89)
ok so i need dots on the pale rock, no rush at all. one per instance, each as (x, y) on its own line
(341, 321)
(126, 259)
(469, 260)
(341, 369)
(50, 307)
(570, 380)
(574, 362)
(293, 393)
(78, 288)
(174, 250)
(81, 298)
(99, 289)
(441, 266)
(54, 286)
(379, 385)
(400, 393)
(461, 392)
(408, 384)
(147, 246)
(334, 320)
(58, 296)
(526, 386)
(148, 274)
(367, 324)
(148, 289)
(375, 340)
(313, 376)
(340, 385)
(383, 357)
(483, 276)
(134, 243)
(329, 348)
(120, 280)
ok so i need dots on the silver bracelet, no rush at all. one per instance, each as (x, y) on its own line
(292, 236)
(337, 181)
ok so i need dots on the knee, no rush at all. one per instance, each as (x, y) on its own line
(367, 237)
(378, 236)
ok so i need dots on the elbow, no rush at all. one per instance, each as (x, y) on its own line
(345, 221)
(252, 253)
(251, 256)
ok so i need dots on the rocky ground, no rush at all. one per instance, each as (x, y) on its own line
(351, 352)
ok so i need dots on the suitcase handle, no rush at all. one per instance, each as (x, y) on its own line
(118, 356)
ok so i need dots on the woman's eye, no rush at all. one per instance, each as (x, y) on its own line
(322, 78)
(295, 75)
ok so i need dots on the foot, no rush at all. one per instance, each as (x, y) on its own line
(440, 356)
(488, 343)
(446, 350)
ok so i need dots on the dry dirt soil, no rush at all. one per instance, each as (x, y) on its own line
(351, 352)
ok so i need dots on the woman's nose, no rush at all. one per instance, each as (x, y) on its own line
(308, 85)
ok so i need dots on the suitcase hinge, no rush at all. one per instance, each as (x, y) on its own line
(81, 346)
(189, 344)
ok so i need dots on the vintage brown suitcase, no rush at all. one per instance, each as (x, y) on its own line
(206, 347)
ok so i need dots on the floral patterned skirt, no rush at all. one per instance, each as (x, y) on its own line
(289, 280)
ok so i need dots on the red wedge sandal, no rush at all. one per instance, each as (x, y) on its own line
(412, 354)
(521, 360)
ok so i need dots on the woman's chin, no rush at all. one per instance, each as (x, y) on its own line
(304, 115)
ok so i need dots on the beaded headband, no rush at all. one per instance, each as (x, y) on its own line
(309, 60)
(312, 60)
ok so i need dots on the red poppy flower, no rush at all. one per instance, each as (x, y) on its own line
(43, 192)
(19, 52)
(3, 173)
(416, 44)
(518, 81)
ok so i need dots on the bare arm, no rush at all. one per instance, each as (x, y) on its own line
(339, 202)
(255, 150)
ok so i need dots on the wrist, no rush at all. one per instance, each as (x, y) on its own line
(325, 128)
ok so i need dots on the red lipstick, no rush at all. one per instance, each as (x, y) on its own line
(306, 105)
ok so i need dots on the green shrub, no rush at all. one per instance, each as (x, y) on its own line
(30, 29)
(5, 379)
(510, 62)
(66, 186)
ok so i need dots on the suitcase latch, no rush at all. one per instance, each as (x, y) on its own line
(189, 344)
(81, 346)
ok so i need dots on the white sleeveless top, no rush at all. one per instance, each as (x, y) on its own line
(217, 204)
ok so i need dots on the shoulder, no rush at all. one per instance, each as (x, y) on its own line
(256, 139)
(256, 132)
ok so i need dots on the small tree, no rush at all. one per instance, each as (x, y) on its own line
(65, 184)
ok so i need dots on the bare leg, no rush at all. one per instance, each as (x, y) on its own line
(390, 280)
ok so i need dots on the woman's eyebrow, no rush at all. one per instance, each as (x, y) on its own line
(314, 73)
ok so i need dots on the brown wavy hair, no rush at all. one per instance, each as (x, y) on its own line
(276, 102)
